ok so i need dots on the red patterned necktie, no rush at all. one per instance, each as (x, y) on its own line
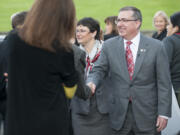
(129, 59)
(89, 62)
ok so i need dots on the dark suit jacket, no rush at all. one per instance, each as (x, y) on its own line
(150, 87)
(172, 45)
(3, 69)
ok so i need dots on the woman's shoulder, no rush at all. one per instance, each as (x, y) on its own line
(171, 41)
(173, 38)
(64, 55)
(12, 35)
(176, 36)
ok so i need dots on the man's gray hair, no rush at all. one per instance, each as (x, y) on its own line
(136, 12)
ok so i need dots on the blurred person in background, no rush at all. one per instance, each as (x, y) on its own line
(41, 72)
(89, 116)
(17, 20)
(110, 27)
(160, 22)
(172, 45)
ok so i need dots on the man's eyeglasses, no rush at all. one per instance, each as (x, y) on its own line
(124, 20)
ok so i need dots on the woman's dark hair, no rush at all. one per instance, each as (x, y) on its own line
(92, 24)
(49, 22)
(175, 20)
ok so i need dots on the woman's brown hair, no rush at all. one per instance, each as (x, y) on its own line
(49, 21)
(111, 20)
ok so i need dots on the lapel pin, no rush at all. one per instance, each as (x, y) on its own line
(142, 50)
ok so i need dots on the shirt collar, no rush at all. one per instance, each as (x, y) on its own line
(96, 48)
(135, 40)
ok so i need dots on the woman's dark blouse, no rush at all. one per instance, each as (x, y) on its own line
(172, 45)
(36, 101)
(160, 36)
(108, 36)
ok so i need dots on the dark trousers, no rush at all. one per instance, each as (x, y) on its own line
(130, 127)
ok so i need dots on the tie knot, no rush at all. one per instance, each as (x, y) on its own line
(128, 42)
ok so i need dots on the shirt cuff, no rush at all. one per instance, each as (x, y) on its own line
(164, 117)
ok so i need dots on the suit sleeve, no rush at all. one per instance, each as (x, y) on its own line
(163, 83)
(67, 68)
(101, 67)
(83, 91)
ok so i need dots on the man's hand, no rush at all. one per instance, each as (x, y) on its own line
(161, 123)
(92, 86)
(6, 75)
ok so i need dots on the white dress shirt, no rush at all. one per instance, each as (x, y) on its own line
(134, 46)
(95, 50)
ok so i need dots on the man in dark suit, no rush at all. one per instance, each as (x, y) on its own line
(17, 20)
(3, 95)
(3, 69)
(140, 94)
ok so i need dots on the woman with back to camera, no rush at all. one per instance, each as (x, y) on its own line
(160, 22)
(172, 45)
(89, 117)
(110, 27)
(41, 70)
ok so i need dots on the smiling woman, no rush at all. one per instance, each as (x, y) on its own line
(160, 22)
(89, 117)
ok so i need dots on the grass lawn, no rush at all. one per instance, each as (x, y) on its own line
(99, 9)
(7, 8)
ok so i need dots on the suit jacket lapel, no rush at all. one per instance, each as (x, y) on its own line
(142, 50)
(122, 59)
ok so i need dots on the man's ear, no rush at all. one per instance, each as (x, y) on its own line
(138, 24)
